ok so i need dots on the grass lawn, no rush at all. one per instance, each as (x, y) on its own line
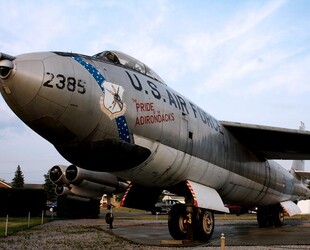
(19, 223)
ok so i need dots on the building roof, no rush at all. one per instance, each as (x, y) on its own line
(4, 185)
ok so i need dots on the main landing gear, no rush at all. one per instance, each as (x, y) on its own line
(190, 223)
(270, 216)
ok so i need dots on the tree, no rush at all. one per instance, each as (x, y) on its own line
(49, 188)
(18, 180)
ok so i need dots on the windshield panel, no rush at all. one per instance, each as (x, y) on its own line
(127, 61)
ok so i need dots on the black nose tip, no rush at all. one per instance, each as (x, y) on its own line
(6, 65)
(4, 71)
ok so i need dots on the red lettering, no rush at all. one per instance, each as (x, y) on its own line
(151, 119)
(147, 106)
(141, 120)
(142, 106)
(137, 121)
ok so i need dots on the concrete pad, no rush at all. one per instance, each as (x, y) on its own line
(236, 232)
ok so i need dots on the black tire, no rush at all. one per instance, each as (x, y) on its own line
(204, 225)
(278, 216)
(176, 222)
(109, 219)
(262, 217)
(270, 216)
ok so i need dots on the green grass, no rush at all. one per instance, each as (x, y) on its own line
(16, 224)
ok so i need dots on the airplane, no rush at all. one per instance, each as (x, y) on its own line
(112, 113)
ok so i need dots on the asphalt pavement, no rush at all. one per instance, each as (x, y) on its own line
(238, 232)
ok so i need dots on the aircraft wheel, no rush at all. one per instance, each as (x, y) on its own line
(204, 224)
(262, 217)
(269, 216)
(109, 218)
(278, 216)
(177, 222)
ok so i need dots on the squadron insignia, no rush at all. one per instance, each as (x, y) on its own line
(112, 103)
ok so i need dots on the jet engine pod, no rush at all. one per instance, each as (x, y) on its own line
(65, 192)
(62, 191)
(86, 189)
(57, 175)
(76, 175)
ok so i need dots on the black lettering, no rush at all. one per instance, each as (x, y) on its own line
(208, 120)
(47, 83)
(171, 99)
(154, 90)
(202, 116)
(71, 84)
(62, 81)
(81, 86)
(177, 101)
(137, 87)
(183, 104)
(194, 109)
(217, 125)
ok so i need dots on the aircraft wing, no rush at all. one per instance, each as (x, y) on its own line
(271, 142)
(303, 174)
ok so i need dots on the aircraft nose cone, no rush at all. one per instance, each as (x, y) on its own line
(20, 80)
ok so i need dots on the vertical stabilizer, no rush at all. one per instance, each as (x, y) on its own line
(298, 165)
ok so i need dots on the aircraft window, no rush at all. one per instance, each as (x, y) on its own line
(128, 62)
(190, 135)
(109, 56)
(151, 73)
(112, 57)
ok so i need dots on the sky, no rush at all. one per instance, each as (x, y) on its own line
(241, 61)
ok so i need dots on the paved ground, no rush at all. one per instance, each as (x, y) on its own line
(136, 231)
(237, 232)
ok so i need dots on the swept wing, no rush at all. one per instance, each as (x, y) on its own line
(272, 142)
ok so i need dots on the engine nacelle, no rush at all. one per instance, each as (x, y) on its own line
(65, 191)
(57, 175)
(86, 189)
(77, 182)
(76, 175)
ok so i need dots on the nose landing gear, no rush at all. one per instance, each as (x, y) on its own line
(109, 217)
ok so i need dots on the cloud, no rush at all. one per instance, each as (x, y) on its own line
(244, 61)
(247, 55)
(198, 46)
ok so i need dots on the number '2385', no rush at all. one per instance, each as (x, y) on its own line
(60, 81)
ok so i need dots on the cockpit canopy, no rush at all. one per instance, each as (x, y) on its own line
(127, 61)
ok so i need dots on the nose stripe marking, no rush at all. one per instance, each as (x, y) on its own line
(92, 70)
(121, 123)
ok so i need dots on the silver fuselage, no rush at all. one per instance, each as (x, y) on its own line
(161, 139)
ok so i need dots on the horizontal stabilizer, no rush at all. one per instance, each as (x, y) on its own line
(207, 197)
(290, 208)
(302, 174)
